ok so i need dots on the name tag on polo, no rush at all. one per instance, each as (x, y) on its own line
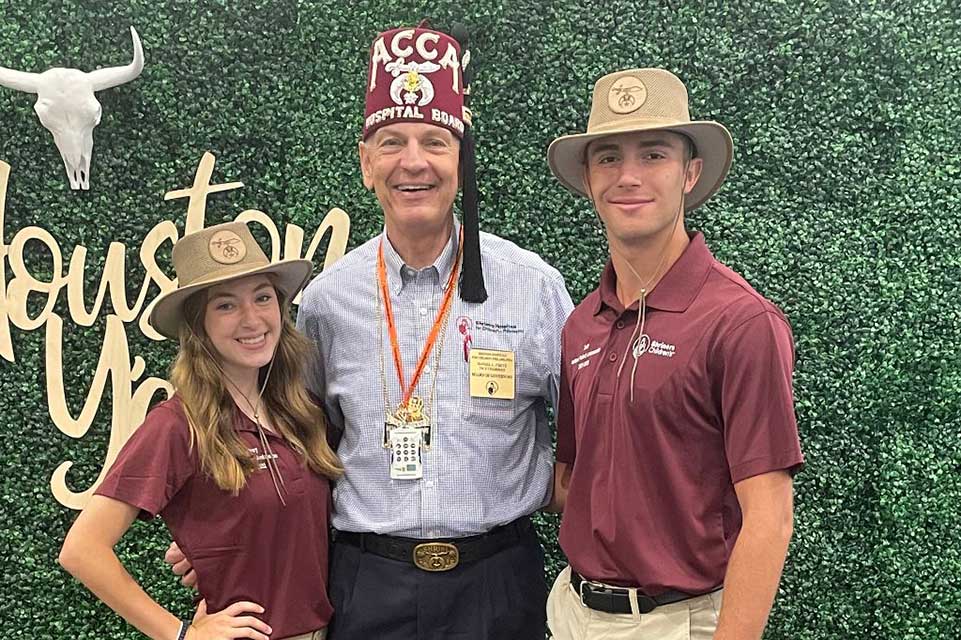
(491, 374)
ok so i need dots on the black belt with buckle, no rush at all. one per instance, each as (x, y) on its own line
(440, 554)
(618, 600)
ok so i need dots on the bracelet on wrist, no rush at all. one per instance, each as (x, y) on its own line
(183, 630)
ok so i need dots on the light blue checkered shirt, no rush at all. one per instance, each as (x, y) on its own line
(490, 461)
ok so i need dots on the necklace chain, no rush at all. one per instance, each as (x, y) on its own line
(428, 407)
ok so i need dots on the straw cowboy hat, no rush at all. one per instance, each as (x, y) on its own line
(216, 255)
(644, 100)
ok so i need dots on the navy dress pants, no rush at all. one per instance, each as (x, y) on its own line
(501, 597)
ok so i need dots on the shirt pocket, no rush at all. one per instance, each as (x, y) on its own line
(494, 412)
(500, 413)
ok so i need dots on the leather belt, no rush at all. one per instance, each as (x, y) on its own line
(439, 554)
(618, 600)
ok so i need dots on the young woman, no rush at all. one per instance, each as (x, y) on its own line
(236, 462)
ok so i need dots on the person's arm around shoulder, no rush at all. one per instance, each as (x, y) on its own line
(562, 481)
(89, 556)
(180, 565)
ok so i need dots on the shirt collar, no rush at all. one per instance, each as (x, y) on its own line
(399, 274)
(676, 290)
(242, 422)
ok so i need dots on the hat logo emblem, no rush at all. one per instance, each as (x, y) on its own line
(226, 247)
(410, 79)
(626, 95)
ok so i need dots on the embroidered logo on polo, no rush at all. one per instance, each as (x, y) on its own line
(645, 344)
(584, 359)
(262, 457)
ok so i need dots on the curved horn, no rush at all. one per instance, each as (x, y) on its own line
(113, 76)
(19, 80)
(427, 88)
(395, 88)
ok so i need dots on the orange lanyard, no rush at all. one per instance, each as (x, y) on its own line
(392, 326)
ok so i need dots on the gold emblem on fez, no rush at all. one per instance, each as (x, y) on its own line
(412, 81)
(226, 247)
(627, 94)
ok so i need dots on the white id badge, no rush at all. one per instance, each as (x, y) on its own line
(406, 445)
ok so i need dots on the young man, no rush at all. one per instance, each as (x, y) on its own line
(441, 391)
(677, 439)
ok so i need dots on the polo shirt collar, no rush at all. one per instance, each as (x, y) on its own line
(399, 273)
(243, 423)
(676, 290)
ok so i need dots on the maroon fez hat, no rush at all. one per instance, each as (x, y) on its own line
(420, 75)
(415, 75)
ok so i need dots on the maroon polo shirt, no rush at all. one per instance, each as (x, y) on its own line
(244, 547)
(651, 501)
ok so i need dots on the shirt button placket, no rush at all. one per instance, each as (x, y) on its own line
(428, 493)
(607, 375)
(428, 506)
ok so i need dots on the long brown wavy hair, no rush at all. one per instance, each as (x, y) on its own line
(209, 407)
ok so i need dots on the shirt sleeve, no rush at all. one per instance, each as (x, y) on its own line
(310, 317)
(153, 465)
(757, 399)
(556, 306)
(566, 438)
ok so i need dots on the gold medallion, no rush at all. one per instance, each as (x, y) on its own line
(415, 409)
(412, 414)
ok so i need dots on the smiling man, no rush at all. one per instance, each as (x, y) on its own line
(677, 440)
(446, 445)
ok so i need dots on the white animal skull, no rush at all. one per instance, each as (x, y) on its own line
(67, 106)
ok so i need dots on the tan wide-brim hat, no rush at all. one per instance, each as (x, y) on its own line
(644, 100)
(216, 255)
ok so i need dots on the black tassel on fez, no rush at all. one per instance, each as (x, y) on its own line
(472, 287)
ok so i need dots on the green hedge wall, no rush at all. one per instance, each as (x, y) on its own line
(843, 207)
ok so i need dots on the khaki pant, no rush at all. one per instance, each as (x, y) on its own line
(320, 634)
(568, 619)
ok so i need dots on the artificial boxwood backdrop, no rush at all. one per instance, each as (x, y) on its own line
(843, 207)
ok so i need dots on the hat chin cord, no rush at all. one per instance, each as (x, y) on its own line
(269, 455)
(634, 343)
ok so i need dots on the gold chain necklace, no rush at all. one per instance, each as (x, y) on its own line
(400, 413)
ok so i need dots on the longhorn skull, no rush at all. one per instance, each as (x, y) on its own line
(66, 105)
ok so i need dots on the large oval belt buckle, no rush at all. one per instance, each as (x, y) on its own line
(436, 556)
